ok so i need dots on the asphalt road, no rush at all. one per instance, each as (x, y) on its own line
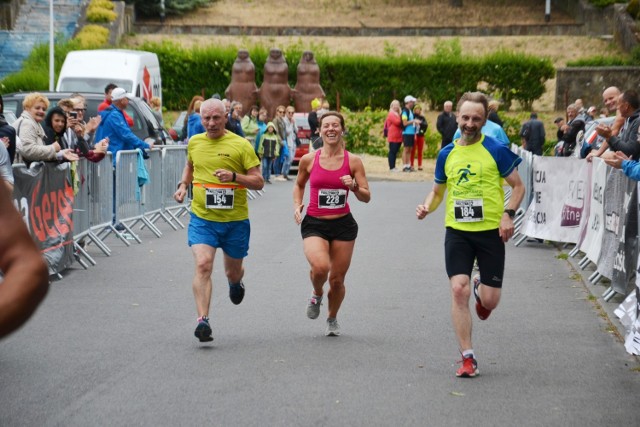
(113, 345)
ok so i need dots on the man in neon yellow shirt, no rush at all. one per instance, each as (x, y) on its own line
(221, 166)
(471, 170)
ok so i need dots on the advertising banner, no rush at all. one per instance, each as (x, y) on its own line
(559, 208)
(43, 195)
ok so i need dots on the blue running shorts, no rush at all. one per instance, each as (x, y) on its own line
(232, 237)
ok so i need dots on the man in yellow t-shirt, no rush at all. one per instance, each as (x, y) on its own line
(221, 166)
(471, 170)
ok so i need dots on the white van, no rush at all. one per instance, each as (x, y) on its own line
(136, 71)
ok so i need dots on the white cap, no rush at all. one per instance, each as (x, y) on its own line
(409, 98)
(118, 93)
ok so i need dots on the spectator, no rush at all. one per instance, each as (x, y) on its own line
(313, 118)
(262, 126)
(88, 128)
(627, 139)
(494, 105)
(570, 131)
(290, 130)
(590, 114)
(612, 98)
(29, 129)
(446, 124)
(268, 150)
(55, 129)
(532, 135)
(7, 133)
(409, 124)
(108, 100)
(114, 126)
(6, 171)
(418, 146)
(192, 121)
(249, 124)
(393, 124)
(619, 160)
(281, 130)
(156, 107)
(559, 122)
(26, 277)
(234, 119)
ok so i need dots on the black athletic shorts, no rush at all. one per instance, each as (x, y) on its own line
(343, 228)
(408, 140)
(462, 247)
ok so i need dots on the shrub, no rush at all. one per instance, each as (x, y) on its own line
(97, 14)
(92, 37)
(105, 4)
(633, 9)
(26, 80)
(151, 8)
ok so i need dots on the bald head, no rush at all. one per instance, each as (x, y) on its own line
(610, 98)
(214, 117)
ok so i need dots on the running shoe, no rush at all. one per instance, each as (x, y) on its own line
(483, 313)
(313, 307)
(469, 368)
(203, 330)
(333, 328)
(236, 293)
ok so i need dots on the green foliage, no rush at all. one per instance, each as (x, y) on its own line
(608, 61)
(151, 8)
(105, 4)
(364, 131)
(26, 80)
(512, 126)
(605, 3)
(92, 37)
(513, 76)
(97, 14)
(633, 9)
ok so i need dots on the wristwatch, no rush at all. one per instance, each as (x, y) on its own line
(510, 212)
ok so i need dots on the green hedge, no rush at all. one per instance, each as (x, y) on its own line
(360, 81)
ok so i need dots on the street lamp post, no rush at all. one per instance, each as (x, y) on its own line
(51, 35)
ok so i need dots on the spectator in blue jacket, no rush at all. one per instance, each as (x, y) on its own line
(114, 126)
(619, 160)
(492, 129)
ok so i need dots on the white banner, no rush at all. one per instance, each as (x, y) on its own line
(560, 205)
(627, 312)
(592, 241)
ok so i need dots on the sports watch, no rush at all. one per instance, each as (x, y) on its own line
(510, 212)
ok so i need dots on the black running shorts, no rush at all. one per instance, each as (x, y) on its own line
(462, 247)
(343, 228)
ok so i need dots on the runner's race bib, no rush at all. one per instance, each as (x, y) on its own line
(332, 199)
(468, 210)
(219, 198)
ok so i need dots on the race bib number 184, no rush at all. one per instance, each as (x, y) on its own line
(468, 210)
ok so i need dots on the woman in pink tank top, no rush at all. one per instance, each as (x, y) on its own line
(328, 229)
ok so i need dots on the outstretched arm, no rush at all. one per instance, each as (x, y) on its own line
(432, 201)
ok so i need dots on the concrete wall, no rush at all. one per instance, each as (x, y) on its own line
(597, 21)
(589, 82)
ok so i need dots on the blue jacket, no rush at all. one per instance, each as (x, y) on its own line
(631, 168)
(491, 129)
(194, 125)
(114, 126)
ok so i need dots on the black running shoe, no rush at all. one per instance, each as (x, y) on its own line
(203, 330)
(236, 293)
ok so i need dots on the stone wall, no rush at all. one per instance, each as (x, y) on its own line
(625, 29)
(589, 82)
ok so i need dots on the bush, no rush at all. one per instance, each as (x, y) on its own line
(151, 8)
(633, 9)
(105, 4)
(92, 37)
(97, 14)
(26, 80)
